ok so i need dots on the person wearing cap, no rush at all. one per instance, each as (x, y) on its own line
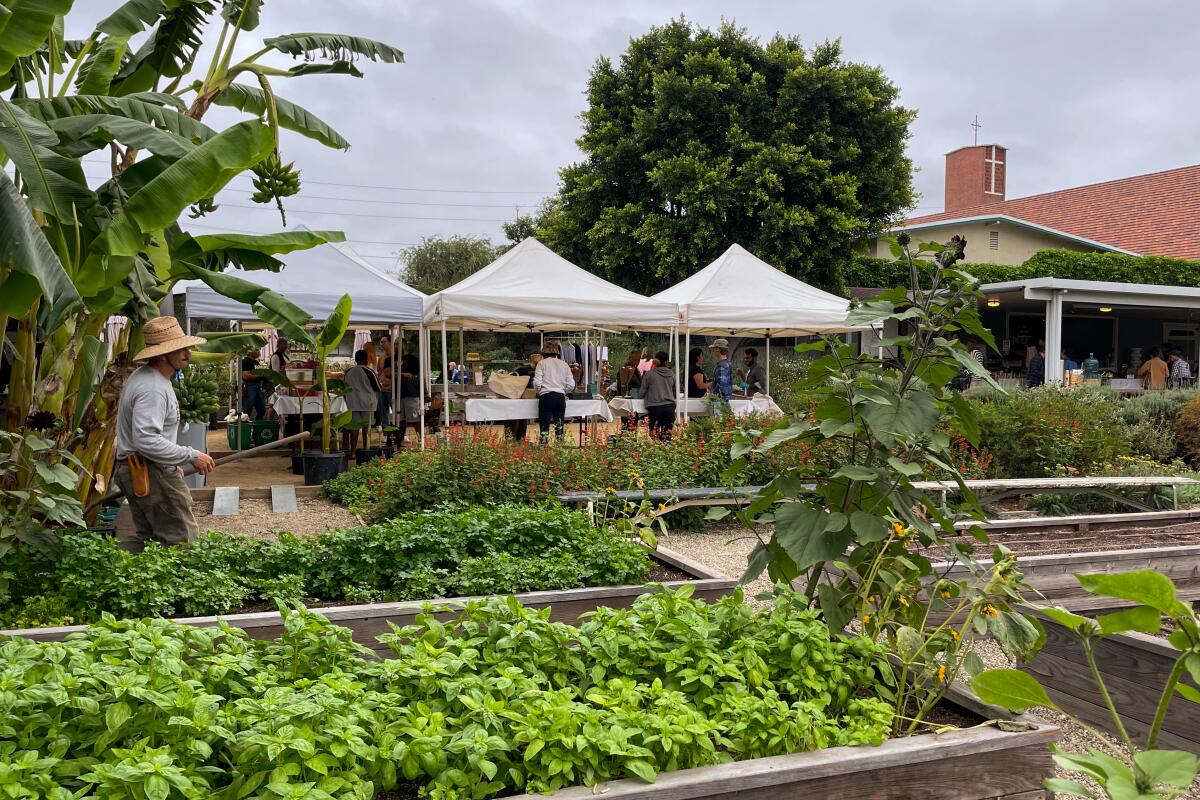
(147, 426)
(722, 382)
(553, 381)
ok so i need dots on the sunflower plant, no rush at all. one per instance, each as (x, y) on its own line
(861, 543)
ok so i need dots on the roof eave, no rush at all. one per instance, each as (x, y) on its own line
(941, 223)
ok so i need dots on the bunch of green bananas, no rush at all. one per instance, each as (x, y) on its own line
(274, 180)
(197, 395)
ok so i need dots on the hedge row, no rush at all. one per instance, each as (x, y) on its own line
(1068, 264)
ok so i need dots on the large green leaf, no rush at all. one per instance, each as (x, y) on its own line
(152, 108)
(291, 116)
(894, 418)
(335, 68)
(83, 134)
(55, 184)
(1011, 689)
(242, 14)
(810, 536)
(219, 346)
(334, 329)
(272, 243)
(335, 46)
(35, 267)
(270, 306)
(132, 17)
(1145, 586)
(91, 358)
(98, 71)
(1172, 767)
(170, 49)
(25, 27)
(200, 174)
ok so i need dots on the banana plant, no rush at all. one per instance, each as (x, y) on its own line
(74, 252)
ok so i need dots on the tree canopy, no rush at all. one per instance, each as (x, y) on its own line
(698, 139)
(439, 262)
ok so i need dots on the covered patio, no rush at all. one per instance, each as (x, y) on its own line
(1119, 323)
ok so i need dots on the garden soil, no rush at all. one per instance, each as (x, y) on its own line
(316, 515)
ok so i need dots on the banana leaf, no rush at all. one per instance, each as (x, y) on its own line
(291, 116)
(81, 135)
(55, 184)
(25, 27)
(336, 46)
(29, 267)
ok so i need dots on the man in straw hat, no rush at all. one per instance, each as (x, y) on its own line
(147, 425)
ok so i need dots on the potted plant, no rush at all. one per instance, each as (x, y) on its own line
(320, 466)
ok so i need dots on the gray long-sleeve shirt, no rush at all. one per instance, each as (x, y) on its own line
(148, 419)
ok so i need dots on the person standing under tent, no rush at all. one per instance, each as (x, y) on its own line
(148, 458)
(362, 400)
(383, 412)
(658, 386)
(755, 376)
(553, 381)
(722, 382)
(697, 385)
(278, 363)
(647, 361)
(254, 402)
(410, 395)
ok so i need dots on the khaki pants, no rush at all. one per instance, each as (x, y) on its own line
(165, 514)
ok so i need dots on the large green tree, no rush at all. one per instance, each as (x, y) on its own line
(699, 139)
(439, 262)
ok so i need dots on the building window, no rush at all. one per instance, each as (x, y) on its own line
(993, 240)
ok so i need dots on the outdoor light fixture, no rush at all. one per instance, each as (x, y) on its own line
(993, 302)
(1105, 309)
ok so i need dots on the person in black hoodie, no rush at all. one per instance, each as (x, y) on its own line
(658, 389)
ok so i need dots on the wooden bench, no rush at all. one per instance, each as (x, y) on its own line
(989, 491)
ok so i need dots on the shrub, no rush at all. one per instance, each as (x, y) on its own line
(498, 701)
(1057, 505)
(1033, 433)
(1187, 430)
(450, 551)
(478, 467)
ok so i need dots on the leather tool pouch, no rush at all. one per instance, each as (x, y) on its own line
(139, 475)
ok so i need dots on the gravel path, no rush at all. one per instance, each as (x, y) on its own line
(725, 547)
(256, 518)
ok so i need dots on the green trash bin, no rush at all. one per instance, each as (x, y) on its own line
(265, 431)
(240, 435)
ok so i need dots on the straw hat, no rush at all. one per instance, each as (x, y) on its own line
(163, 335)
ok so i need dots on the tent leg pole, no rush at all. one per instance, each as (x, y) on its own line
(768, 388)
(421, 384)
(687, 373)
(445, 379)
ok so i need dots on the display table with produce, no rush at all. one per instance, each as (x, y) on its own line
(740, 406)
(285, 404)
(499, 409)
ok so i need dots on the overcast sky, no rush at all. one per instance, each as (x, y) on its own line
(486, 109)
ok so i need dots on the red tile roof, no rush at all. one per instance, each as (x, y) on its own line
(1154, 214)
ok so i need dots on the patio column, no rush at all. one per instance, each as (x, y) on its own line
(1054, 372)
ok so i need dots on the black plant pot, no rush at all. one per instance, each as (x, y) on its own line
(297, 463)
(320, 467)
(364, 454)
(387, 451)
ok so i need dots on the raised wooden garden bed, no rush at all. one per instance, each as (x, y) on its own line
(369, 621)
(980, 763)
(1134, 667)
(1053, 575)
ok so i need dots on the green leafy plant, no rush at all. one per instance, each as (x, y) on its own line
(495, 700)
(857, 545)
(81, 250)
(1138, 773)
(447, 552)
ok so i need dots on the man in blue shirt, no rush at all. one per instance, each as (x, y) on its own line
(722, 385)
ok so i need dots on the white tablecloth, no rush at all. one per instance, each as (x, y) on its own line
(696, 406)
(489, 409)
(286, 404)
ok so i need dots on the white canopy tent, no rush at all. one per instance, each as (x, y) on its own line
(740, 294)
(532, 288)
(315, 280)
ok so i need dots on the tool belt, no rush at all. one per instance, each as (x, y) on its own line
(139, 475)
